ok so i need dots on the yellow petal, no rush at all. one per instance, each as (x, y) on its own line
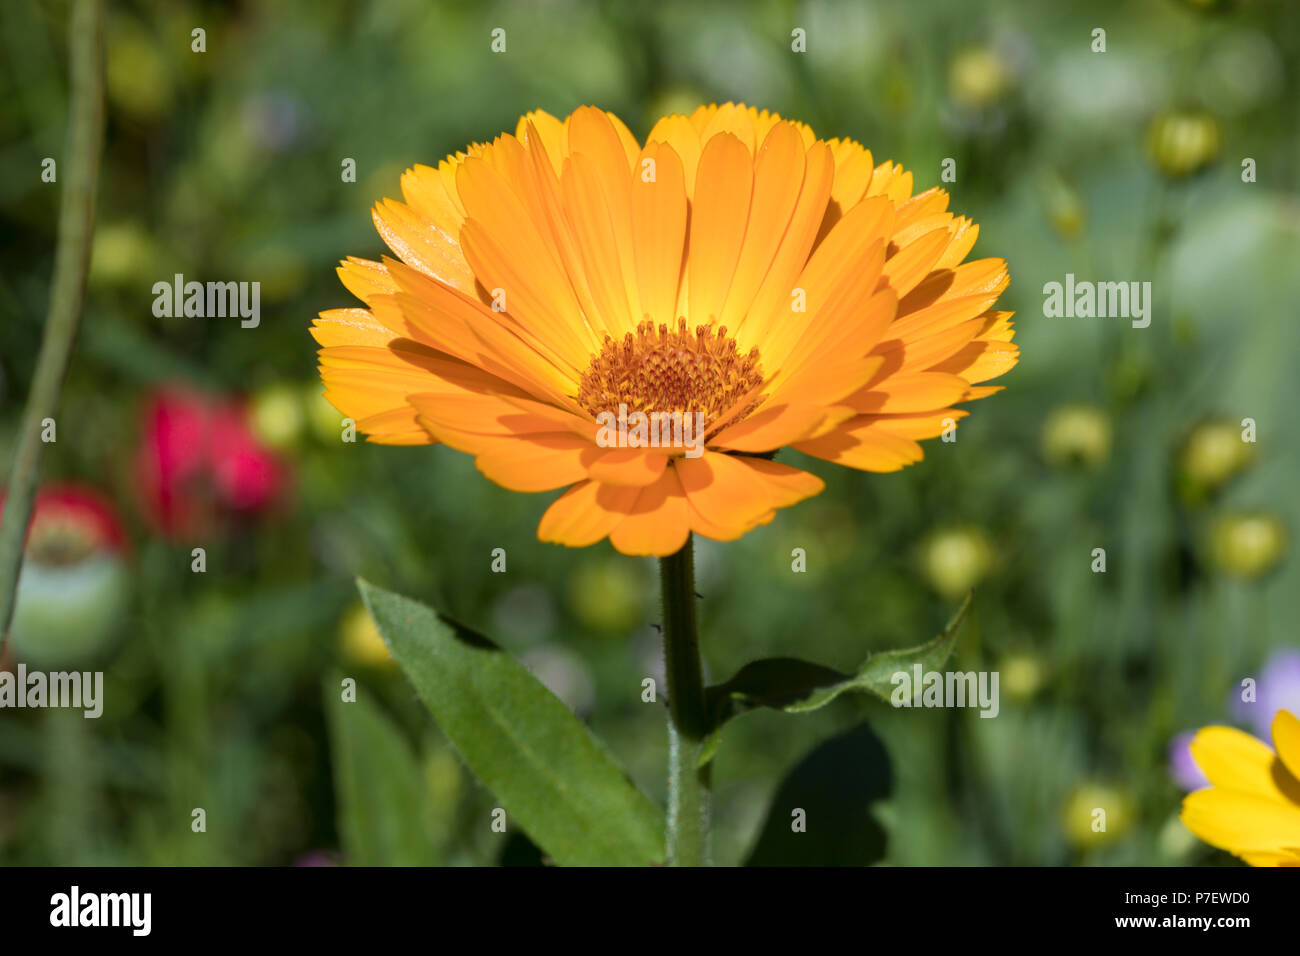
(1241, 822)
(1232, 759)
(1286, 738)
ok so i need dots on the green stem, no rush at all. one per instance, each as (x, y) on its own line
(80, 170)
(688, 724)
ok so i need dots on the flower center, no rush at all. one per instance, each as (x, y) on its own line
(657, 370)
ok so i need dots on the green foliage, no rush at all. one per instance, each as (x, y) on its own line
(552, 776)
(823, 813)
(796, 687)
(378, 785)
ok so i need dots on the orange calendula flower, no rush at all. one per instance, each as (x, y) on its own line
(560, 294)
(1252, 808)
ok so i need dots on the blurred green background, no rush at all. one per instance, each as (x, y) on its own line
(225, 165)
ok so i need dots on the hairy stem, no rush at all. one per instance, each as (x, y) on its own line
(688, 784)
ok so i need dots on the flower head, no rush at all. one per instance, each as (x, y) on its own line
(645, 325)
(75, 582)
(1252, 807)
(199, 462)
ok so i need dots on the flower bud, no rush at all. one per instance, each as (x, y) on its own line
(1064, 206)
(123, 254)
(74, 585)
(1212, 454)
(276, 415)
(977, 78)
(1022, 675)
(1247, 545)
(1182, 143)
(1077, 435)
(955, 559)
(1097, 814)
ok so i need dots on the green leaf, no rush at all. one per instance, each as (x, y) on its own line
(830, 795)
(380, 788)
(795, 686)
(552, 776)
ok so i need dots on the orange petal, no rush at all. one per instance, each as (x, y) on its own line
(919, 425)
(772, 301)
(778, 176)
(773, 427)
(417, 243)
(657, 524)
(585, 514)
(504, 246)
(350, 327)
(906, 268)
(677, 132)
(719, 214)
(903, 355)
(863, 444)
(918, 392)
(627, 466)
(598, 146)
(732, 492)
(540, 462)
(659, 230)
(837, 280)
(364, 278)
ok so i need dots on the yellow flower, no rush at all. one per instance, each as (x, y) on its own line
(1252, 808)
(770, 288)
